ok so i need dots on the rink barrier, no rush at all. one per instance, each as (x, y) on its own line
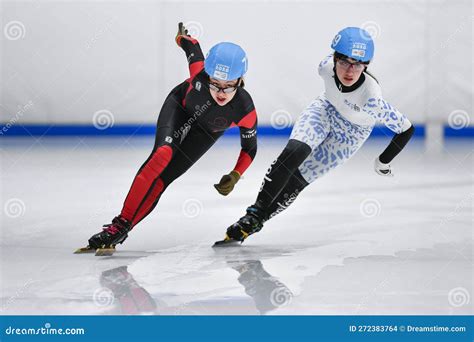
(149, 129)
(249, 328)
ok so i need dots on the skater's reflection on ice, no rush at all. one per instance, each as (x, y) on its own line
(267, 291)
(130, 298)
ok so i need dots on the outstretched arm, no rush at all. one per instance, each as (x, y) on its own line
(192, 49)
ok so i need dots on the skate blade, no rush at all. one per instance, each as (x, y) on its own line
(105, 251)
(227, 243)
(84, 250)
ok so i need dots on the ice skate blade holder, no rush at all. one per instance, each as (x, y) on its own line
(98, 252)
(105, 251)
(227, 243)
(84, 250)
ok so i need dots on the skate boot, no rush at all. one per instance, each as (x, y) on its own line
(248, 224)
(103, 243)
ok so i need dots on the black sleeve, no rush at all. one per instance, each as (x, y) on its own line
(248, 140)
(192, 49)
(248, 143)
(396, 145)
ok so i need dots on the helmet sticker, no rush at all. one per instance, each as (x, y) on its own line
(220, 75)
(336, 40)
(221, 72)
(358, 53)
(360, 46)
(222, 67)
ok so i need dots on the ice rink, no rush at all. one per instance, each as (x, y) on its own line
(352, 243)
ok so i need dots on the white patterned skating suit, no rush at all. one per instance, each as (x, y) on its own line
(336, 124)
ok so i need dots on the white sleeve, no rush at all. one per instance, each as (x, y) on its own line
(387, 114)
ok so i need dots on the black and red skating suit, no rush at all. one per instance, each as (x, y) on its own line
(190, 122)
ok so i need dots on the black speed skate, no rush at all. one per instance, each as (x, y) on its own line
(103, 243)
(251, 223)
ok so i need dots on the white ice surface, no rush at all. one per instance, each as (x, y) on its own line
(321, 256)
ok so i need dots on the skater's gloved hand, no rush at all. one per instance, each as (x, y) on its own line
(382, 169)
(226, 185)
(182, 31)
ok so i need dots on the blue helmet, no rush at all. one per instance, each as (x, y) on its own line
(355, 43)
(226, 62)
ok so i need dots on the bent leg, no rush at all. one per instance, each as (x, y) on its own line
(309, 131)
(146, 183)
(288, 194)
(342, 142)
(192, 148)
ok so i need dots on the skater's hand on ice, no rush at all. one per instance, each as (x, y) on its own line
(226, 185)
(382, 169)
(182, 32)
